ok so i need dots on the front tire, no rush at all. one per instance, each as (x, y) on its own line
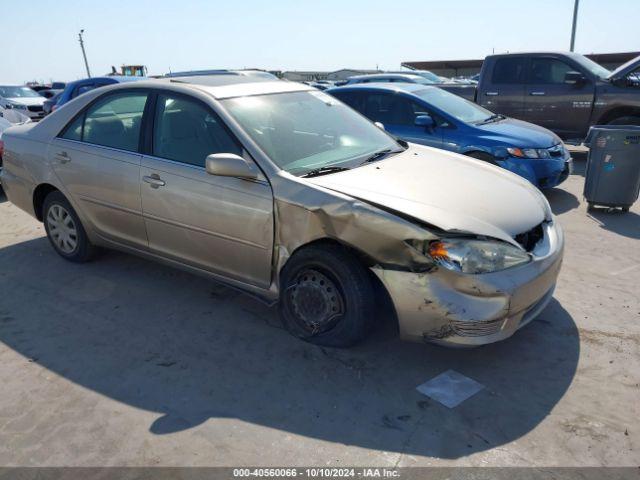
(64, 229)
(326, 296)
(626, 120)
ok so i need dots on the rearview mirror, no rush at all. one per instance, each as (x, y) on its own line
(230, 165)
(425, 121)
(574, 78)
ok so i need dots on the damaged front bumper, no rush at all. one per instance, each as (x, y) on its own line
(450, 308)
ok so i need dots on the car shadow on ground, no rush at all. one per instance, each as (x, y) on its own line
(626, 224)
(560, 200)
(193, 351)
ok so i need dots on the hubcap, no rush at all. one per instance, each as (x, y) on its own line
(316, 301)
(62, 229)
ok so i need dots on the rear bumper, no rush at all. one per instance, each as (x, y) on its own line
(454, 309)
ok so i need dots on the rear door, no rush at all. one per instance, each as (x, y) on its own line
(97, 158)
(220, 224)
(550, 102)
(503, 91)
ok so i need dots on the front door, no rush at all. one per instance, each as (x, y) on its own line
(96, 158)
(551, 103)
(398, 114)
(220, 224)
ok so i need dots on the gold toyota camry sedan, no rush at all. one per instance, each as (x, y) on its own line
(282, 191)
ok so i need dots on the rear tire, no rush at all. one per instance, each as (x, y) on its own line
(626, 120)
(64, 229)
(326, 296)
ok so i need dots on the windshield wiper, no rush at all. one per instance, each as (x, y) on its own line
(379, 154)
(316, 172)
(493, 118)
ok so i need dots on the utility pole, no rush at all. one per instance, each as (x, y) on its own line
(84, 54)
(575, 21)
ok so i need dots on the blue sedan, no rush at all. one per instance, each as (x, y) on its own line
(73, 89)
(434, 117)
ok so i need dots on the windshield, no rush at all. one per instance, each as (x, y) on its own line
(456, 106)
(595, 69)
(303, 131)
(17, 92)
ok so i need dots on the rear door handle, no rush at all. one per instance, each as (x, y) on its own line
(537, 94)
(491, 94)
(154, 180)
(63, 157)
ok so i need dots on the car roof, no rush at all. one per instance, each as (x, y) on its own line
(384, 86)
(223, 86)
(387, 75)
(116, 78)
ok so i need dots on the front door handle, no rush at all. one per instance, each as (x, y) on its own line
(537, 94)
(491, 94)
(63, 157)
(154, 180)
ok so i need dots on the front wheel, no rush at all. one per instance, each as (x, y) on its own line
(64, 229)
(326, 296)
(626, 120)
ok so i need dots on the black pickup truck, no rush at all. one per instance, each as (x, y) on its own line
(564, 92)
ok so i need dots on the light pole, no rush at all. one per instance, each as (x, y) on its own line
(573, 28)
(84, 54)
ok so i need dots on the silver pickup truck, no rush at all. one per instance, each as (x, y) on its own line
(564, 92)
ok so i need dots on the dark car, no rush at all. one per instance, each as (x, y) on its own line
(74, 89)
(564, 92)
(49, 92)
(50, 104)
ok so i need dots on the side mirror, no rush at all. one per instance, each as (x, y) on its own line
(379, 125)
(230, 165)
(425, 121)
(574, 78)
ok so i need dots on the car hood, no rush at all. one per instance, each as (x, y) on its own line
(27, 100)
(446, 190)
(624, 69)
(518, 133)
(13, 116)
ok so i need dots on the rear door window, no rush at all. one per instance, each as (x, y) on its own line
(79, 90)
(509, 70)
(113, 121)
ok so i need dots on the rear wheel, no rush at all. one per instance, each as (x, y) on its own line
(485, 157)
(326, 296)
(64, 229)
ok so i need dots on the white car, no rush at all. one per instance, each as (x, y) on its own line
(22, 99)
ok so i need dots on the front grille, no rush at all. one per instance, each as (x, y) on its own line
(529, 239)
(35, 108)
(476, 329)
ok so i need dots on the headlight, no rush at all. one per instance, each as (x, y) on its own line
(476, 256)
(528, 152)
(17, 106)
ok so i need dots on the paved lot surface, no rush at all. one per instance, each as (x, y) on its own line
(125, 362)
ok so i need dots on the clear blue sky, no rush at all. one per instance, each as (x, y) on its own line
(40, 37)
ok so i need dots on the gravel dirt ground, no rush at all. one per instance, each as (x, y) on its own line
(125, 362)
